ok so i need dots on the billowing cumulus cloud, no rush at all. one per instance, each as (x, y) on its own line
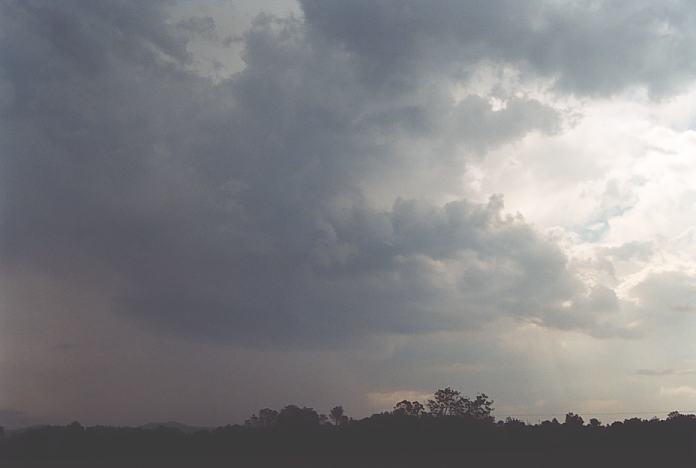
(241, 210)
(586, 48)
(343, 189)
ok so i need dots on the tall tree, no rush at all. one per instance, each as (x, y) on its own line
(480, 407)
(574, 420)
(337, 416)
(447, 402)
(296, 417)
(267, 418)
(409, 408)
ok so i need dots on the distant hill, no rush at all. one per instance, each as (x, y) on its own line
(19, 430)
(174, 425)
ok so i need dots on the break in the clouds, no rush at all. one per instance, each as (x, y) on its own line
(353, 199)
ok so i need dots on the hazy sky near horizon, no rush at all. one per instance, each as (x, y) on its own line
(211, 207)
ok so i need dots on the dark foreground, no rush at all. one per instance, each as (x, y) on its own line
(384, 440)
(490, 459)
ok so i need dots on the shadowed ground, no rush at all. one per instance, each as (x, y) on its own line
(511, 459)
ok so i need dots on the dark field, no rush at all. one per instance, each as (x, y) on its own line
(511, 459)
(384, 440)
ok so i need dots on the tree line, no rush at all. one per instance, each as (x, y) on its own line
(450, 426)
(445, 402)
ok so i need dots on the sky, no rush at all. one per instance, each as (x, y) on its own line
(210, 207)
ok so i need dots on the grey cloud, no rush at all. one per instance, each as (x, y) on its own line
(87, 36)
(482, 128)
(417, 268)
(199, 26)
(668, 293)
(664, 302)
(286, 216)
(242, 211)
(597, 48)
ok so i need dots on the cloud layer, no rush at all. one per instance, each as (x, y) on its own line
(243, 210)
(345, 185)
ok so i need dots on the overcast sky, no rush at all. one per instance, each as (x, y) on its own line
(211, 207)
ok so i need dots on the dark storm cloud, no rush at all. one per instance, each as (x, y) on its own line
(416, 268)
(244, 211)
(585, 47)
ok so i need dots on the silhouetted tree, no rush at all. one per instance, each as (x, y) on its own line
(550, 425)
(594, 422)
(513, 423)
(480, 407)
(75, 427)
(677, 416)
(267, 418)
(408, 441)
(409, 408)
(337, 416)
(447, 402)
(573, 420)
(294, 416)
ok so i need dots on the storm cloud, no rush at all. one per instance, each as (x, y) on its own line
(239, 210)
(582, 47)
(321, 195)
